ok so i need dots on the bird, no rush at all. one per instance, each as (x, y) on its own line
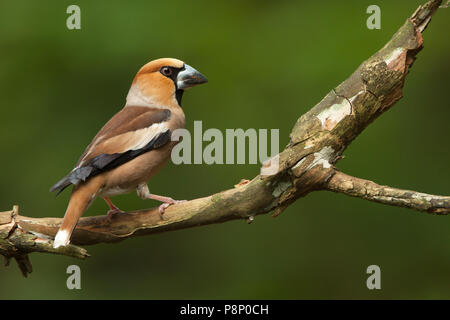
(132, 146)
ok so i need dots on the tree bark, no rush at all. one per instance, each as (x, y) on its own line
(307, 164)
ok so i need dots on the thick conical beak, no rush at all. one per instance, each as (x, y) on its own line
(189, 77)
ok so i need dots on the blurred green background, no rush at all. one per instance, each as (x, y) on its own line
(267, 63)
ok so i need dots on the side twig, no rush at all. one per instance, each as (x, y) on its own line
(365, 189)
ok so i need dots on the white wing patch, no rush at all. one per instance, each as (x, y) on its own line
(144, 136)
(132, 140)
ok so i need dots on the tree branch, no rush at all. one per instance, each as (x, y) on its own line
(317, 142)
(16, 243)
(369, 190)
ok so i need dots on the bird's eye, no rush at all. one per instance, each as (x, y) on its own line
(166, 71)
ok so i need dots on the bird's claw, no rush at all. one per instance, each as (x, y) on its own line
(112, 212)
(165, 205)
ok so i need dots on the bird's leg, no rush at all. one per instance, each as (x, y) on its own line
(112, 208)
(144, 193)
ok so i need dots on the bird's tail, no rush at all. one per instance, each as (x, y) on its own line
(82, 196)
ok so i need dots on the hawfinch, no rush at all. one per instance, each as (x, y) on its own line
(133, 146)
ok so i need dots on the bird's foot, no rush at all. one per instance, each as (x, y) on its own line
(166, 204)
(112, 212)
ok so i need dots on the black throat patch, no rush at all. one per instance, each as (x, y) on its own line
(179, 95)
